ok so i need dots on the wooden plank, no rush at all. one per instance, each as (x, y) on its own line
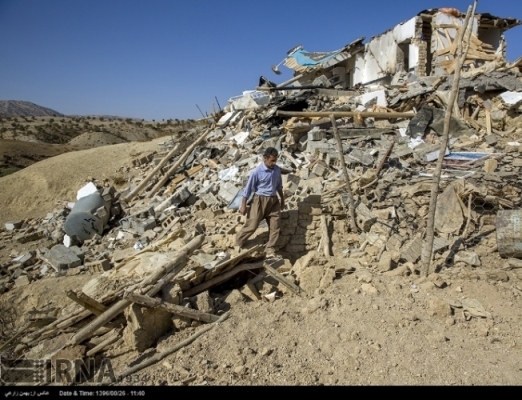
(325, 238)
(148, 301)
(448, 38)
(96, 308)
(280, 278)
(220, 278)
(181, 177)
(488, 121)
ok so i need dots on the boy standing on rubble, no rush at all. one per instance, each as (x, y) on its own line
(264, 182)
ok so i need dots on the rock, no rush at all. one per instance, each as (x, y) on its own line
(468, 257)
(327, 279)
(204, 303)
(363, 276)
(465, 274)
(402, 270)
(367, 288)
(266, 352)
(171, 293)
(450, 321)
(250, 292)
(439, 307)
(387, 261)
(315, 304)
(437, 281)
(287, 266)
(145, 326)
(240, 370)
(310, 278)
(62, 257)
(303, 262)
(23, 280)
(497, 275)
(234, 298)
(180, 323)
(513, 263)
(427, 286)
(73, 271)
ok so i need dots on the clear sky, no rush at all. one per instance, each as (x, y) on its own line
(157, 59)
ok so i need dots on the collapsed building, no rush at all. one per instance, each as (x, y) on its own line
(167, 241)
(425, 45)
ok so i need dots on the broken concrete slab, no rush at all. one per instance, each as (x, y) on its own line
(61, 257)
(468, 257)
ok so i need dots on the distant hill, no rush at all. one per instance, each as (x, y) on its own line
(16, 108)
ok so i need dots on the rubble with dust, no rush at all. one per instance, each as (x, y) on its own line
(167, 241)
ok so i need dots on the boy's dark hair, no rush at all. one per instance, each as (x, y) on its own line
(270, 152)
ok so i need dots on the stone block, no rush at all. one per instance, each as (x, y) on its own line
(203, 302)
(62, 257)
(145, 326)
(143, 225)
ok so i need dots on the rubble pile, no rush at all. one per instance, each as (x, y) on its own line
(174, 238)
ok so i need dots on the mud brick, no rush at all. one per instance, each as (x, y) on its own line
(30, 237)
(98, 266)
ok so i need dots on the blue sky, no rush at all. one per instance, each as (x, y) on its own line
(157, 59)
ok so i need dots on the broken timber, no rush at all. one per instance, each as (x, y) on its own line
(364, 114)
(171, 269)
(171, 308)
(351, 203)
(158, 357)
(280, 278)
(180, 160)
(221, 278)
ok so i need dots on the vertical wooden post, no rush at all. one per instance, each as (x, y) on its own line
(326, 239)
(351, 205)
(427, 250)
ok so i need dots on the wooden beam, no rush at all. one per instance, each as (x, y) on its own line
(148, 301)
(351, 202)
(364, 114)
(86, 302)
(181, 177)
(325, 238)
(220, 278)
(280, 278)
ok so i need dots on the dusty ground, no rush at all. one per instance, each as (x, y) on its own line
(344, 333)
(33, 191)
(341, 335)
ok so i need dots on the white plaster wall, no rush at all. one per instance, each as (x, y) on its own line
(414, 56)
(380, 55)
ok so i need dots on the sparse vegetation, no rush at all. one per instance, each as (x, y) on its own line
(8, 171)
(61, 130)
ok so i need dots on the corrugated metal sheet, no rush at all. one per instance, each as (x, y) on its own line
(304, 61)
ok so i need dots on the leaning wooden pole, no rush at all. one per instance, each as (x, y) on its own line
(351, 204)
(172, 269)
(180, 160)
(147, 179)
(427, 251)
